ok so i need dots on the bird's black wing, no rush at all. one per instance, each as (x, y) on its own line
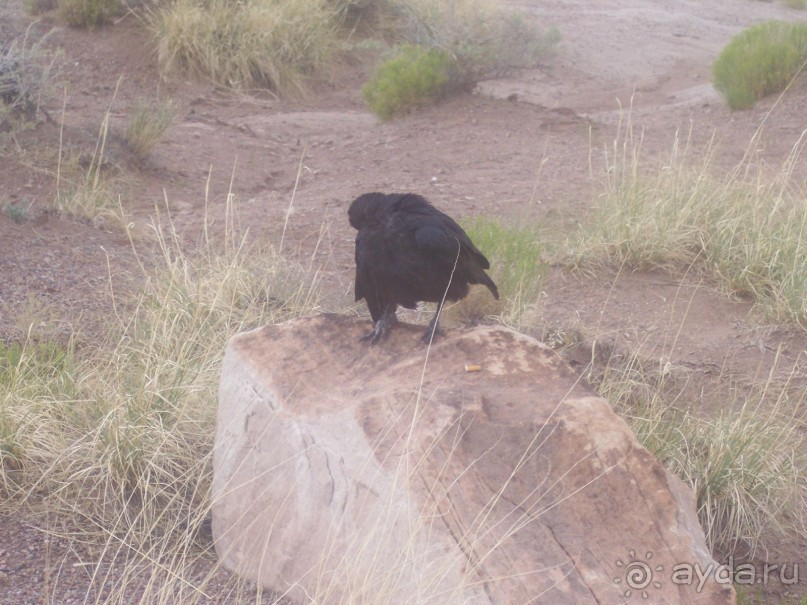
(439, 233)
(435, 241)
(436, 232)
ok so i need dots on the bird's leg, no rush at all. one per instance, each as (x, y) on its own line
(433, 329)
(382, 326)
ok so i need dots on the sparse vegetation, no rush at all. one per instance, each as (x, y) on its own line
(451, 47)
(25, 77)
(85, 187)
(246, 45)
(483, 38)
(516, 267)
(744, 233)
(761, 60)
(147, 124)
(280, 45)
(17, 212)
(89, 13)
(36, 7)
(87, 193)
(85, 184)
(130, 421)
(747, 462)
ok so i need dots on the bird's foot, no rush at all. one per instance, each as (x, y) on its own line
(379, 333)
(431, 334)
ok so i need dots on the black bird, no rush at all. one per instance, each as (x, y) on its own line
(408, 251)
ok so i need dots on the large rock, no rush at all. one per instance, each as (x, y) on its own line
(392, 474)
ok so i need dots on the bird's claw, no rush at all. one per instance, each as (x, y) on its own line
(379, 333)
(431, 333)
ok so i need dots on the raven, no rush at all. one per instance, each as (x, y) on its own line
(408, 251)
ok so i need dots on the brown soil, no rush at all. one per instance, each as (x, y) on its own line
(528, 148)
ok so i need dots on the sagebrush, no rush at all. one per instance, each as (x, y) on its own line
(414, 78)
(759, 61)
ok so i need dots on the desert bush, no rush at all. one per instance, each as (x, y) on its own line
(26, 71)
(243, 45)
(414, 78)
(485, 39)
(741, 231)
(759, 61)
(89, 13)
(375, 18)
(454, 44)
(147, 124)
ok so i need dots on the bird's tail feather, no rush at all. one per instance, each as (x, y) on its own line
(485, 279)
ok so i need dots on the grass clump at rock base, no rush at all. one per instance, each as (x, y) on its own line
(746, 462)
(516, 267)
(113, 439)
(759, 61)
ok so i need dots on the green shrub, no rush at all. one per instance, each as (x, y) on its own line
(759, 61)
(89, 13)
(249, 44)
(415, 77)
(450, 47)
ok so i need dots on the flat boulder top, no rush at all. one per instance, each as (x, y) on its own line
(325, 357)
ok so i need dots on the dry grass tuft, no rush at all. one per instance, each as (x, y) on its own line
(147, 124)
(246, 45)
(746, 460)
(743, 231)
(114, 441)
